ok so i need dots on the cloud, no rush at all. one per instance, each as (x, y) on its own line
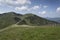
(45, 6)
(43, 12)
(1, 12)
(58, 9)
(35, 7)
(0, 4)
(15, 2)
(27, 8)
(23, 8)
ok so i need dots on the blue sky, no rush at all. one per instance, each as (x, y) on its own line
(43, 8)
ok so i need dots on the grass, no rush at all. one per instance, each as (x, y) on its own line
(31, 33)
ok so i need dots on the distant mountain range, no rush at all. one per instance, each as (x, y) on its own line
(11, 18)
(55, 19)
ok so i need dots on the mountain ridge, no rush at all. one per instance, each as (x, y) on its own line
(55, 19)
(10, 18)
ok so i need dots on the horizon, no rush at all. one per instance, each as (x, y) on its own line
(31, 13)
(42, 8)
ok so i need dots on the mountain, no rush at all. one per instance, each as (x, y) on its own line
(35, 20)
(55, 19)
(11, 18)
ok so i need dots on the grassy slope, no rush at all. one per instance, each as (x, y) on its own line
(31, 33)
(8, 19)
(35, 20)
(11, 18)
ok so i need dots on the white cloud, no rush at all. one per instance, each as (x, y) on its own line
(15, 2)
(45, 6)
(27, 8)
(58, 9)
(43, 12)
(21, 8)
(35, 7)
(1, 12)
(0, 4)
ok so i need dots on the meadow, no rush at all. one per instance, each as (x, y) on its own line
(31, 33)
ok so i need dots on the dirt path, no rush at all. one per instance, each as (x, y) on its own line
(12, 26)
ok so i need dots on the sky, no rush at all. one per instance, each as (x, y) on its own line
(42, 8)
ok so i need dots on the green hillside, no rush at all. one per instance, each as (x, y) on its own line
(31, 33)
(15, 26)
(32, 19)
(9, 18)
